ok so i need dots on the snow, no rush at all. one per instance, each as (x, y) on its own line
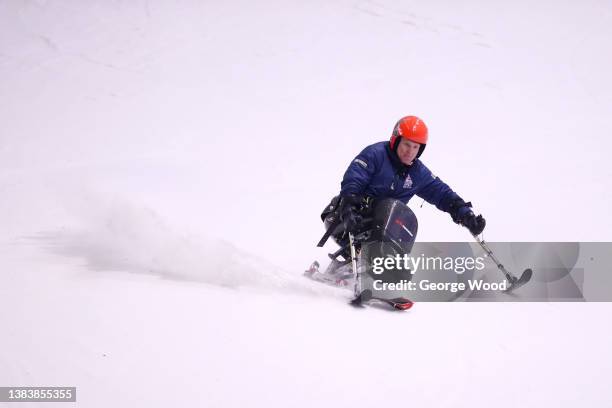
(163, 166)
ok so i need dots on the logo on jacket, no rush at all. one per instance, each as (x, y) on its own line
(408, 182)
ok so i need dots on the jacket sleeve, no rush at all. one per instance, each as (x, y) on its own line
(438, 193)
(360, 172)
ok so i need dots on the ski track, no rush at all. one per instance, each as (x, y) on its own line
(128, 238)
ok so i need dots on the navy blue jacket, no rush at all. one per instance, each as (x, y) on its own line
(378, 172)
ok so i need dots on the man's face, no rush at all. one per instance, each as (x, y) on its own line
(407, 151)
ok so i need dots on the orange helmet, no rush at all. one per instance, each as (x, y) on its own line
(411, 128)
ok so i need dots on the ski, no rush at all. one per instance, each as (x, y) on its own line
(365, 297)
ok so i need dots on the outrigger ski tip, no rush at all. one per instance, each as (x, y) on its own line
(517, 283)
(514, 282)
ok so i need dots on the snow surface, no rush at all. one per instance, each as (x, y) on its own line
(163, 165)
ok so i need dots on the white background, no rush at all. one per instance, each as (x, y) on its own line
(163, 166)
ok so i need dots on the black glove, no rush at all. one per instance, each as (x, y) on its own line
(352, 221)
(462, 214)
(475, 224)
(349, 214)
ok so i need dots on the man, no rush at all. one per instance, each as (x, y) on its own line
(393, 170)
